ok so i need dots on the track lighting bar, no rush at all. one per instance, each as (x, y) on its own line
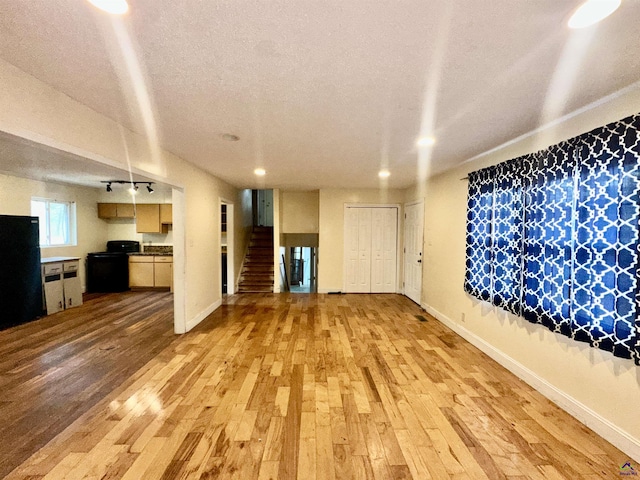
(133, 185)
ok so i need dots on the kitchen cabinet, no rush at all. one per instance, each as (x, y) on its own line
(166, 213)
(150, 271)
(115, 210)
(71, 284)
(153, 217)
(61, 283)
(141, 271)
(53, 287)
(163, 271)
(150, 217)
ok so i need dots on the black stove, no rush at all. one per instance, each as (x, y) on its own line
(109, 271)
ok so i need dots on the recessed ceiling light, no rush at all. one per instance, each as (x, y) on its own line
(261, 172)
(591, 12)
(426, 141)
(230, 137)
(384, 173)
(115, 7)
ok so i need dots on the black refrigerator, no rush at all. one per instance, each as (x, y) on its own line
(20, 271)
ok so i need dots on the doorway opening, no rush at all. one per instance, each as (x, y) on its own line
(227, 281)
(299, 263)
(302, 269)
(262, 201)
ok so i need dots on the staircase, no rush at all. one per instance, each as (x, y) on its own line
(257, 270)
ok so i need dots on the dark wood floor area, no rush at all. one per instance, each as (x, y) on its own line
(55, 369)
(276, 386)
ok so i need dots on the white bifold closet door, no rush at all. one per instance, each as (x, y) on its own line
(371, 249)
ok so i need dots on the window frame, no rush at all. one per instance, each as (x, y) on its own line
(71, 233)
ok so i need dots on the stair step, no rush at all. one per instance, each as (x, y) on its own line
(255, 290)
(259, 260)
(256, 278)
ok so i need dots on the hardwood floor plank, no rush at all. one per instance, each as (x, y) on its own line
(274, 386)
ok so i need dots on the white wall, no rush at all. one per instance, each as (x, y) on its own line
(33, 110)
(15, 199)
(599, 389)
(331, 220)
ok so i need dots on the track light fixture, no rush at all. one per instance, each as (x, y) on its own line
(133, 189)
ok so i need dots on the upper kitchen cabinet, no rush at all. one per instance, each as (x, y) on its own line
(166, 214)
(153, 217)
(115, 210)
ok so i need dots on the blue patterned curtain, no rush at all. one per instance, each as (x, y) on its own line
(507, 236)
(605, 303)
(554, 236)
(479, 273)
(548, 245)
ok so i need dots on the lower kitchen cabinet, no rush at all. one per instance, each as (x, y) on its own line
(163, 271)
(140, 271)
(150, 271)
(53, 287)
(61, 283)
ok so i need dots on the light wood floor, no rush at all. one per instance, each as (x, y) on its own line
(288, 386)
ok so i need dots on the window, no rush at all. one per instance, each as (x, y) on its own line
(554, 236)
(57, 221)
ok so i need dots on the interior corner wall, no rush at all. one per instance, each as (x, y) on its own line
(34, 110)
(331, 221)
(597, 388)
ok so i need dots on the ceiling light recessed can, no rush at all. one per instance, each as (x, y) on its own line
(426, 141)
(230, 137)
(115, 7)
(261, 172)
(384, 173)
(591, 12)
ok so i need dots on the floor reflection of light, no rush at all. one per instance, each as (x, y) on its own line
(138, 404)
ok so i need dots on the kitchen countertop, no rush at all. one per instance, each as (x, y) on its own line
(58, 259)
(151, 254)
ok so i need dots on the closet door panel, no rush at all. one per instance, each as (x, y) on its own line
(364, 251)
(351, 253)
(390, 249)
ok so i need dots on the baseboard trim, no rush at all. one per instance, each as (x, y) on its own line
(603, 427)
(203, 314)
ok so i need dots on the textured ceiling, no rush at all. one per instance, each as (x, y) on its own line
(325, 93)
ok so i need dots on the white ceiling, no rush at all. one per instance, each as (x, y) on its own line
(325, 93)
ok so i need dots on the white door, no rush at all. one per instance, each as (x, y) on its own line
(363, 274)
(265, 208)
(413, 240)
(351, 248)
(384, 223)
(390, 249)
(370, 249)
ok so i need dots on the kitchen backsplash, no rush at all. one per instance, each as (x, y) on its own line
(160, 249)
